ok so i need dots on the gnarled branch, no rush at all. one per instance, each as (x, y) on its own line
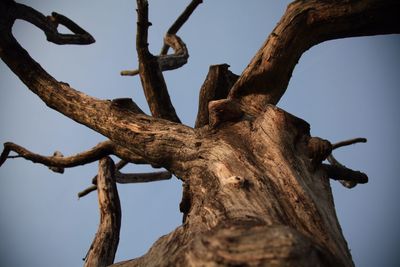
(57, 162)
(305, 24)
(50, 24)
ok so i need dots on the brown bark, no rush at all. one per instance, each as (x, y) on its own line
(255, 200)
(105, 244)
(256, 192)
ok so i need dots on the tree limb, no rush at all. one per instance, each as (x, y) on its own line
(179, 23)
(50, 24)
(123, 124)
(342, 173)
(129, 178)
(305, 24)
(104, 246)
(168, 62)
(178, 59)
(349, 142)
(153, 83)
(58, 162)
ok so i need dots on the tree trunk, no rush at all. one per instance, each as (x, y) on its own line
(255, 190)
(254, 198)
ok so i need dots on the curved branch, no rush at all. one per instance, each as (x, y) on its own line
(104, 246)
(91, 155)
(168, 62)
(179, 23)
(58, 162)
(50, 24)
(305, 24)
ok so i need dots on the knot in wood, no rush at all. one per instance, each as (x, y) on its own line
(236, 181)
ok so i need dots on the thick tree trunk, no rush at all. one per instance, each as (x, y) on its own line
(254, 198)
(255, 190)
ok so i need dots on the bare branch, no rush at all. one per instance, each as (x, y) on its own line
(345, 174)
(122, 123)
(216, 86)
(153, 83)
(91, 155)
(168, 62)
(349, 142)
(87, 191)
(129, 178)
(179, 23)
(49, 26)
(104, 246)
(348, 183)
(58, 162)
(305, 24)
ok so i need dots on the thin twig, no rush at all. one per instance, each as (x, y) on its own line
(130, 178)
(180, 21)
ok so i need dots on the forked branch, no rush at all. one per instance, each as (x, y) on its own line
(347, 179)
(181, 54)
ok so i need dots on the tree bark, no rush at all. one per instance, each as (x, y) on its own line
(255, 199)
(105, 244)
(256, 192)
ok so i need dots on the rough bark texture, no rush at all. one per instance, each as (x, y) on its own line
(255, 200)
(104, 246)
(256, 192)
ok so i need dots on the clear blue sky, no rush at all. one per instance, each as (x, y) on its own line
(344, 88)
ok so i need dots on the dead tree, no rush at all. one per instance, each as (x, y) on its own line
(256, 188)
